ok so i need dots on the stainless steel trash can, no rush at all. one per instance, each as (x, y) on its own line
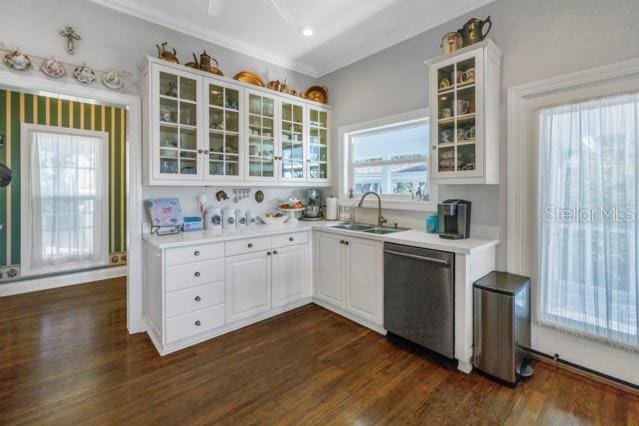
(502, 325)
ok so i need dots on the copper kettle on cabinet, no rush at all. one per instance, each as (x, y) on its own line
(473, 30)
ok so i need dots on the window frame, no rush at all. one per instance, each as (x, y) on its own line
(345, 175)
(26, 236)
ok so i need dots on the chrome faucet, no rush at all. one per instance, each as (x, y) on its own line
(380, 219)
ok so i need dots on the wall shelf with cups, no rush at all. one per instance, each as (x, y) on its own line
(464, 94)
(202, 129)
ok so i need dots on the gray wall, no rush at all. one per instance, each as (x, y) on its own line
(111, 39)
(540, 39)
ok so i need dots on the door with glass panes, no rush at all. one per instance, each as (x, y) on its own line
(457, 135)
(176, 145)
(317, 157)
(292, 140)
(261, 156)
(223, 154)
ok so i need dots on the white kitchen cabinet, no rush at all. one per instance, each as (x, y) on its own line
(328, 268)
(364, 277)
(202, 129)
(289, 274)
(464, 90)
(349, 276)
(248, 285)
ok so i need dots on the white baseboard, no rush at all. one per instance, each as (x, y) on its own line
(46, 283)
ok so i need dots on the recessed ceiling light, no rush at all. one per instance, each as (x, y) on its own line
(307, 31)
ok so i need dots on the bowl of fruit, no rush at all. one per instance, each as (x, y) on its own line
(292, 206)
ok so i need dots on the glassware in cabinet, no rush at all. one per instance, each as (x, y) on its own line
(292, 140)
(317, 144)
(261, 146)
(223, 151)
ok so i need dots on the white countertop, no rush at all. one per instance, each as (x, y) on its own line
(412, 237)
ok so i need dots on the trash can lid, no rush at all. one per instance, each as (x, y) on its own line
(502, 282)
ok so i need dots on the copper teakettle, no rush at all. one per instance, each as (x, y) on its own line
(167, 53)
(473, 30)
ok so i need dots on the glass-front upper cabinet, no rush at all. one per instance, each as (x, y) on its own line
(464, 117)
(317, 162)
(175, 119)
(292, 141)
(262, 151)
(224, 151)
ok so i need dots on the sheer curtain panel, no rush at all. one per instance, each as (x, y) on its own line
(588, 175)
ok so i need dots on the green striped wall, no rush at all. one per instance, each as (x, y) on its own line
(17, 108)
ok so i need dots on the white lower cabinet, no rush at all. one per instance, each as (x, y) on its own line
(289, 275)
(196, 292)
(349, 275)
(248, 285)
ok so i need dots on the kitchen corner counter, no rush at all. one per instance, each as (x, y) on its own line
(412, 237)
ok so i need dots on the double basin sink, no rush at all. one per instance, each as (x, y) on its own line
(368, 229)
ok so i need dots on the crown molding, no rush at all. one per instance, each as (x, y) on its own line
(189, 28)
(400, 35)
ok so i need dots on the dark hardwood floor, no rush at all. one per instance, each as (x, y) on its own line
(66, 358)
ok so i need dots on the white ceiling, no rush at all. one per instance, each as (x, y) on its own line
(344, 30)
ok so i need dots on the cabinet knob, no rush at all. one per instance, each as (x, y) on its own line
(199, 151)
(268, 253)
(346, 242)
(250, 245)
(197, 274)
(196, 253)
(291, 239)
(274, 251)
(198, 298)
(198, 323)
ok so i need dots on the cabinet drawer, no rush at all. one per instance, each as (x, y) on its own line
(195, 253)
(194, 298)
(289, 239)
(193, 323)
(188, 275)
(248, 245)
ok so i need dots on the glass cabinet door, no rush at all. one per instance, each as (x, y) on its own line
(177, 118)
(318, 145)
(456, 129)
(261, 137)
(224, 144)
(292, 139)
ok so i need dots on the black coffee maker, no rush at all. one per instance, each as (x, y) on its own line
(454, 219)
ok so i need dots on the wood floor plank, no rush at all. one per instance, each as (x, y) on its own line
(66, 358)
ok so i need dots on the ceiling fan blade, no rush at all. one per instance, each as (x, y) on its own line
(284, 11)
(214, 7)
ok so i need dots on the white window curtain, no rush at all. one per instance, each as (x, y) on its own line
(589, 173)
(68, 195)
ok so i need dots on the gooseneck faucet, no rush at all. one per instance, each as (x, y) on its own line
(380, 219)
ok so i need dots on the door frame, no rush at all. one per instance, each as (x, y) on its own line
(132, 104)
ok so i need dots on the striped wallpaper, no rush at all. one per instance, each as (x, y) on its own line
(17, 108)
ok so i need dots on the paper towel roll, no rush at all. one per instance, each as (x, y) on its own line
(331, 208)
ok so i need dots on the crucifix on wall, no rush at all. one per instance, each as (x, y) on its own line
(71, 37)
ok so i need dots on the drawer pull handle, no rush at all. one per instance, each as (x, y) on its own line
(250, 245)
(198, 298)
(196, 253)
(291, 239)
(274, 251)
(198, 323)
(197, 274)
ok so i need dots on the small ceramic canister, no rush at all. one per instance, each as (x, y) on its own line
(240, 218)
(213, 218)
(228, 218)
(251, 219)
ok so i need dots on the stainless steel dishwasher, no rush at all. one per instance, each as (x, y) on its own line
(419, 296)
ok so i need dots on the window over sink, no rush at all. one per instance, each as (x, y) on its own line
(388, 156)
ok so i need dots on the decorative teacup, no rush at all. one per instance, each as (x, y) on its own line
(447, 112)
(17, 60)
(462, 106)
(469, 75)
(446, 135)
(84, 74)
(444, 84)
(53, 68)
(470, 133)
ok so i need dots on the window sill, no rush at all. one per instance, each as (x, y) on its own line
(391, 204)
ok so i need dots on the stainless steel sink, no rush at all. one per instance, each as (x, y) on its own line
(382, 231)
(352, 226)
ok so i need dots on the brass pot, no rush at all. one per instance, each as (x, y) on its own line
(274, 85)
(167, 53)
(450, 42)
(249, 77)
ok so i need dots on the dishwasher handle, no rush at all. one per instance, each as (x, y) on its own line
(424, 258)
